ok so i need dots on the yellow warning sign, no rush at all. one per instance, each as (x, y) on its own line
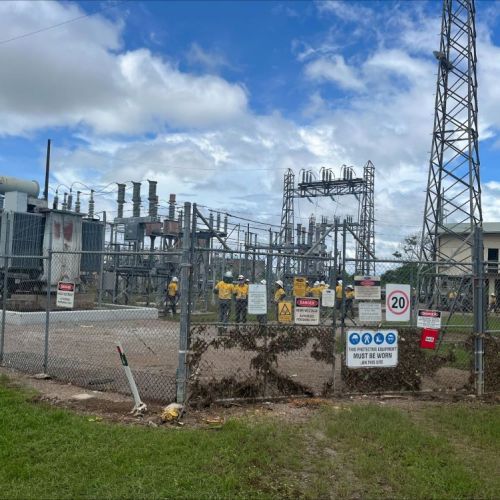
(285, 312)
(299, 287)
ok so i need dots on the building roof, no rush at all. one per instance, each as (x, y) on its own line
(488, 228)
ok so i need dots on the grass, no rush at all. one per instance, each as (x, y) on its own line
(348, 450)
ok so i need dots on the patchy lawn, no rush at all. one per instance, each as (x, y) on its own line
(340, 449)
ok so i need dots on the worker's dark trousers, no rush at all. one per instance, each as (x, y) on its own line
(241, 310)
(172, 304)
(349, 310)
(224, 311)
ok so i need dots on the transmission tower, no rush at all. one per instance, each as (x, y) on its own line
(287, 219)
(365, 247)
(453, 203)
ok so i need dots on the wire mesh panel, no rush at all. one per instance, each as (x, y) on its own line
(266, 360)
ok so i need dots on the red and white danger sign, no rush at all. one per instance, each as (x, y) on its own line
(65, 294)
(429, 319)
(306, 311)
(397, 302)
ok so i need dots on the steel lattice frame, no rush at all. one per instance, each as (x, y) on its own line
(365, 248)
(453, 203)
(287, 219)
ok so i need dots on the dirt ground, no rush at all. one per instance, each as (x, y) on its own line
(114, 407)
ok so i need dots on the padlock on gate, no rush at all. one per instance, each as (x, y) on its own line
(428, 338)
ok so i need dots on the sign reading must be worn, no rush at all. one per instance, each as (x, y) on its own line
(367, 287)
(65, 294)
(306, 311)
(257, 299)
(285, 312)
(372, 348)
(429, 319)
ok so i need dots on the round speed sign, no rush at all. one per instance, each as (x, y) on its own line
(397, 303)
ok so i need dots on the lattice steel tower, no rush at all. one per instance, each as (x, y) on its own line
(453, 203)
(365, 248)
(287, 219)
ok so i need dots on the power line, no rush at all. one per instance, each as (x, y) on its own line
(58, 25)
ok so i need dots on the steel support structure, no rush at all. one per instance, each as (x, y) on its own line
(287, 222)
(453, 202)
(365, 247)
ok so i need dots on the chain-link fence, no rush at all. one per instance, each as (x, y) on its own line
(208, 323)
(71, 334)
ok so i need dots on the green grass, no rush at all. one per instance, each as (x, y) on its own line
(348, 450)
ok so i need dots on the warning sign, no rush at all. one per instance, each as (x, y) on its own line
(65, 295)
(257, 299)
(306, 311)
(285, 312)
(367, 287)
(429, 319)
(328, 298)
(372, 348)
(299, 287)
(370, 312)
(397, 302)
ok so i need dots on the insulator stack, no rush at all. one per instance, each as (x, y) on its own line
(136, 199)
(91, 205)
(171, 207)
(78, 203)
(121, 199)
(153, 200)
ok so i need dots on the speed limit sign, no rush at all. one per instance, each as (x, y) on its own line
(397, 302)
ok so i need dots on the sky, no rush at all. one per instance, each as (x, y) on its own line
(215, 100)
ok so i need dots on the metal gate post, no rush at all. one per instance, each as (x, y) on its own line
(182, 368)
(47, 308)
(479, 309)
(6, 249)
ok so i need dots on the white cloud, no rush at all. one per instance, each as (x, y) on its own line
(210, 60)
(334, 69)
(79, 74)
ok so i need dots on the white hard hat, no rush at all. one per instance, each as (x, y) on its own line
(228, 274)
(316, 283)
(174, 279)
(280, 283)
(241, 277)
(339, 282)
(322, 283)
(263, 282)
(349, 286)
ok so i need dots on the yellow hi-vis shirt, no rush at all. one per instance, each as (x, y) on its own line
(279, 295)
(172, 289)
(225, 290)
(338, 291)
(241, 291)
(316, 291)
(349, 294)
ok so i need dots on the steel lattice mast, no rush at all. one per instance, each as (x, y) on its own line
(365, 247)
(287, 219)
(453, 202)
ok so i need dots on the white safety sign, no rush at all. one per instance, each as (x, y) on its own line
(429, 319)
(372, 348)
(306, 311)
(370, 312)
(328, 298)
(257, 299)
(397, 302)
(367, 287)
(65, 294)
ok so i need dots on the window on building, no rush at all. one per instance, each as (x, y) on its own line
(492, 259)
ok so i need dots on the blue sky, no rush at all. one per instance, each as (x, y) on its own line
(216, 99)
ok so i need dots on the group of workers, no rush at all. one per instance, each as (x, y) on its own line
(227, 291)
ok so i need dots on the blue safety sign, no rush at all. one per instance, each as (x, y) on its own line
(367, 338)
(372, 348)
(354, 338)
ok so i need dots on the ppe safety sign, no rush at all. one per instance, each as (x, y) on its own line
(372, 348)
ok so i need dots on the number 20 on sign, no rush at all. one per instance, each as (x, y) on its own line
(397, 302)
